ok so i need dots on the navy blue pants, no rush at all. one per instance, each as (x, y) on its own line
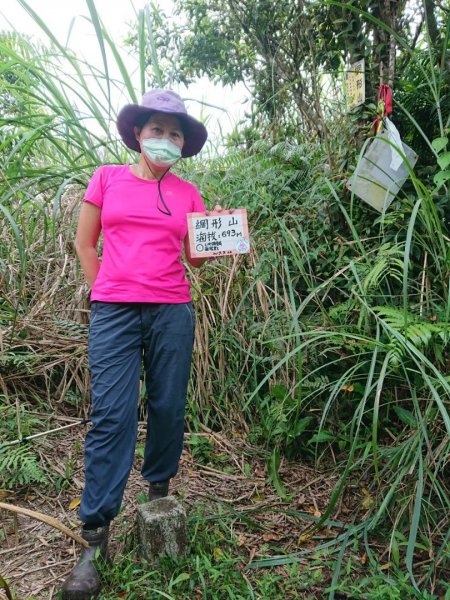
(121, 335)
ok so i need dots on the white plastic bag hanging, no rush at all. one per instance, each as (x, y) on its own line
(381, 172)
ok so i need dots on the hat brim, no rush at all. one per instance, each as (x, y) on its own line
(195, 134)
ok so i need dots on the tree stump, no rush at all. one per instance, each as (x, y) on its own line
(161, 529)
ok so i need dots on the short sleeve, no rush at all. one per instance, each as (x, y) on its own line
(94, 191)
(197, 202)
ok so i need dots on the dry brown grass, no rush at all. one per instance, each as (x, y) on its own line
(45, 341)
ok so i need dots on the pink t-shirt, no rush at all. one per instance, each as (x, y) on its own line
(141, 259)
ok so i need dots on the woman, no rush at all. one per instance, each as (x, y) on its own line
(141, 310)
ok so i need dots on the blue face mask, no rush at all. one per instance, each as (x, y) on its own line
(162, 153)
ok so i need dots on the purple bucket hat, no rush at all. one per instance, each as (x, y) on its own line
(164, 101)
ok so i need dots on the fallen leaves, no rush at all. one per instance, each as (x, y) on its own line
(75, 503)
(271, 537)
(348, 388)
(367, 500)
(252, 555)
(218, 554)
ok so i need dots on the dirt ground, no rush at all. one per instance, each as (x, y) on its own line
(35, 557)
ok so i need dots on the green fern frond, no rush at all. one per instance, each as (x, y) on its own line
(19, 466)
(396, 354)
(415, 330)
(388, 262)
(343, 309)
(394, 317)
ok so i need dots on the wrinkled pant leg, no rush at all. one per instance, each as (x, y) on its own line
(168, 342)
(114, 359)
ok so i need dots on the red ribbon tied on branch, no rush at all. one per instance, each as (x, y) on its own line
(385, 104)
(385, 97)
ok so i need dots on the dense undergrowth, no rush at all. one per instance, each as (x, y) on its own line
(327, 344)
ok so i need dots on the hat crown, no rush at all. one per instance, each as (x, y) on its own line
(164, 101)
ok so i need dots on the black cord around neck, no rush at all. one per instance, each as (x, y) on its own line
(166, 210)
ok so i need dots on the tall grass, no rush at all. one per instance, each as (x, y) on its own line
(329, 342)
(342, 343)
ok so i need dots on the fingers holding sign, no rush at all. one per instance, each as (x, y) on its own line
(219, 210)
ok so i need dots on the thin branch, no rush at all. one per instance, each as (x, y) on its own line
(45, 519)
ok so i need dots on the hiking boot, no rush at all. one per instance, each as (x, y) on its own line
(158, 490)
(83, 581)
